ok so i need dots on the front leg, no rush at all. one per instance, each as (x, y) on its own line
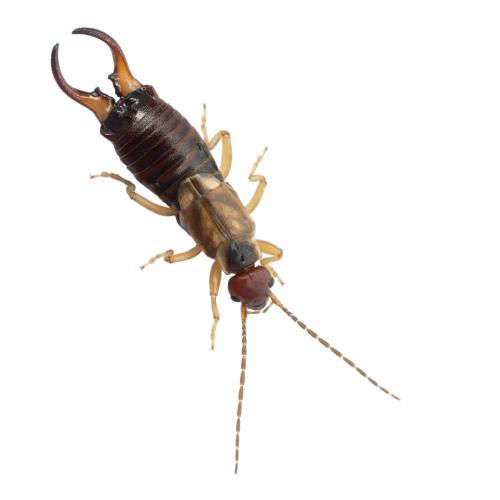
(277, 254)
(215, 277)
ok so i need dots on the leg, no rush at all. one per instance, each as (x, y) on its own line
(259, 192)
(153, 207)
(276, 252)
(215, 276)
(227, 152)
(169, 256)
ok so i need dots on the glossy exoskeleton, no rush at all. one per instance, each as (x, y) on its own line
(168, 156)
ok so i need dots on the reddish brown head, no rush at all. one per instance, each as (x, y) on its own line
(251, 287)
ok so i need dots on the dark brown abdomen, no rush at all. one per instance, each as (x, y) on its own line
(160, 147)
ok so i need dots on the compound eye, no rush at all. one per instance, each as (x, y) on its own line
(234, 299)
(250, 287)
(271, 283)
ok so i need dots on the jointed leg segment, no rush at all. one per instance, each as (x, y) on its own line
(259, 192)
(275, 253)
(215, 277)
(227, 153)
(153, 207)
(171, 258)
(223, 137)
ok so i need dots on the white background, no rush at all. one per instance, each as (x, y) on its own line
(451, 251)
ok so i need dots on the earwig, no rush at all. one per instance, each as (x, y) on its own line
(168, 156)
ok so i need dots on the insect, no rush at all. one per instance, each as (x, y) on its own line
(126, 81)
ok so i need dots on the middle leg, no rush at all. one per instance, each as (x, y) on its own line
(171, 258)
(261, 187)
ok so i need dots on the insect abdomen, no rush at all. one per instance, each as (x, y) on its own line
(157, 144)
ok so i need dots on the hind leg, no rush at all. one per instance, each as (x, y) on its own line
(227, 152)
(144, 202)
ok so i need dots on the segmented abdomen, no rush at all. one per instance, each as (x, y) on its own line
(162, 149)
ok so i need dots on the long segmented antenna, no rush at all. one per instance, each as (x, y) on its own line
(327, 345)
(242, 379)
